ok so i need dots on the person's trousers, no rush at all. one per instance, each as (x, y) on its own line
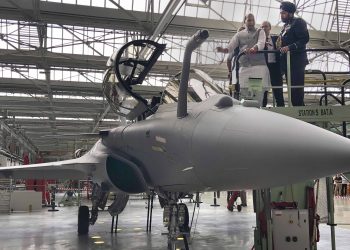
(338, 189)
(344, 189)
(229, 194)
(244, 198)
(297, 80)
(276, 81)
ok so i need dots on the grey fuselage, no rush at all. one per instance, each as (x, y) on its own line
(219, 146)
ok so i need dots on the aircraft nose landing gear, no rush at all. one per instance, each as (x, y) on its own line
(99, 200)
(176, 219)
(83, 220)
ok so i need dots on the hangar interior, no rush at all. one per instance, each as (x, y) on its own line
(53, 56)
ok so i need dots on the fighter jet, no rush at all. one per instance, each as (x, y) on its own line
(179, 148)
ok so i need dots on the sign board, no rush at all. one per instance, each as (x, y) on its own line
(255, 85)
(315, 113)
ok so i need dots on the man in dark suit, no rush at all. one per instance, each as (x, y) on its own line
(273, 63)
(294, 37)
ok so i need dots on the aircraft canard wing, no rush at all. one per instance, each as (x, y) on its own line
(69, 169)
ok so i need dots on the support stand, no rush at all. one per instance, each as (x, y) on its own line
(198, 200)
(149, 212)
(114, 227)
(53, 200)
(330, 208)
(215, 204)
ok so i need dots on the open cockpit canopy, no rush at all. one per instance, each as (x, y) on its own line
(200, 87)
(128, 68)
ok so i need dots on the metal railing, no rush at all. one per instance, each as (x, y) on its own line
(324, 74)
(326, 92)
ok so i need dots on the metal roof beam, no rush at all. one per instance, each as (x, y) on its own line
(69, 14)
(38, 58)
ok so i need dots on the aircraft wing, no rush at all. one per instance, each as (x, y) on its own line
(69, 169)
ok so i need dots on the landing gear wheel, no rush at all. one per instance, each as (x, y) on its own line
(177, 219)
(239, 208)
(83, 220)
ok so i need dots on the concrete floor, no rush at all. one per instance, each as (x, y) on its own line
(217, 228)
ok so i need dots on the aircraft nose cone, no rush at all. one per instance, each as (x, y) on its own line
(284, 148)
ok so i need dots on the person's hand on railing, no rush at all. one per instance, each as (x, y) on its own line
(284, 49)
(251, 50)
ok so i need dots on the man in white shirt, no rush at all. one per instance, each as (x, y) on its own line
(232, 65)
(254, 76)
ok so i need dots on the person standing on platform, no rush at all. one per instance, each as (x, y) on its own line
(273, 63)
(293, 37)
(254, 77)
